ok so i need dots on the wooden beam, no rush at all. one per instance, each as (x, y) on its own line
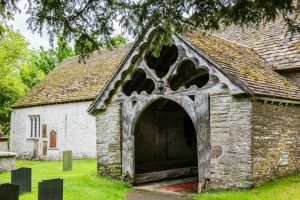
(278, 100)
(203, 137)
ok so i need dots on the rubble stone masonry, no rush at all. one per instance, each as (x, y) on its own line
(230, 132)
(276, 141)
(108, 128)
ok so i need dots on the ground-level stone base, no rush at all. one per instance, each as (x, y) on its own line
(7, 161)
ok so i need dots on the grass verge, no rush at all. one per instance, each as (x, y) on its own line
(81, 183)
(285, 188)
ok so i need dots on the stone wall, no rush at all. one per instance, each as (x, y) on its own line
(4, 144)
(276, 141)
(293, 76)
(230, 124)
(7, 161)
(75, 128)
(108, 129)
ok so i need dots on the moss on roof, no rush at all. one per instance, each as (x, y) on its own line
(73, 81)
(243, 65)
(272, 41)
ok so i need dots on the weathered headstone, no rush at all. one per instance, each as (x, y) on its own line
(51, 189)
(67, 160)
(9, 192)
(35, 148)
(22, 177)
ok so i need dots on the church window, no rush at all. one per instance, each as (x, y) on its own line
(34, 126)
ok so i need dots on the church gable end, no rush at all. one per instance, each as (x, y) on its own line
(185, 113)
(179, 68)
(155, 104)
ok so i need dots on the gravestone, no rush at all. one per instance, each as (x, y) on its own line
(22, 177)
(67, 160)
(9, 192)
(51, 189)
(35, 148)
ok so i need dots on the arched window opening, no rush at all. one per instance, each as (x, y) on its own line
(161, 65)
(139, 83)
(187, 75)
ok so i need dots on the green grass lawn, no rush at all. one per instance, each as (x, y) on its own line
(81, 183)
(286, 188)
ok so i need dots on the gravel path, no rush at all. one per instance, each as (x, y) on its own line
(145, 195)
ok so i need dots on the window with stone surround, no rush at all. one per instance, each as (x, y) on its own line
(34, 126)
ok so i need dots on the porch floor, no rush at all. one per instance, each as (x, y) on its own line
(182, 186)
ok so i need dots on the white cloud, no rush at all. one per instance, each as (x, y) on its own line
(35, 39)
(19, 23)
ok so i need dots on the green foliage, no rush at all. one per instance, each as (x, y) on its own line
(118, 40)
(85, 184)
(7, 10)
(21, 68)
(78, 183)
(90, 24)
(279, 189)
(13, 62)
(46, 60)
(31, 74)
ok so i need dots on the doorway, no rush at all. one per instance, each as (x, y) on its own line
(165, 143)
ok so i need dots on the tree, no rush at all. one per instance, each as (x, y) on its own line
(13, 61)
(7, 10)
(46, 60)
(89, 23)
(21, 68)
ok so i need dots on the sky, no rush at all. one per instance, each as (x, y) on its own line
(35, 39)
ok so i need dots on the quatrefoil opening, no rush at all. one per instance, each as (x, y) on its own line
(138, 83)
(187, 75)
(161, 65)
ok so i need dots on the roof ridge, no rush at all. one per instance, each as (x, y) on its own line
(240, 44)
(231, 41)
(99, 50)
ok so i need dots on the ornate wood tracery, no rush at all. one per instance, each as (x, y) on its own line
(192, 95)
(192, 98)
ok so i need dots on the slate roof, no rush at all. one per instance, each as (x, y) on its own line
(243, 65)
(272, 42)
(73, 81)
(247, 57)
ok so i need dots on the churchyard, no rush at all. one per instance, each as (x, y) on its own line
(82, 182)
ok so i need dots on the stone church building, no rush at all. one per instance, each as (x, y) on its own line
(53, 116)
(224, 107)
